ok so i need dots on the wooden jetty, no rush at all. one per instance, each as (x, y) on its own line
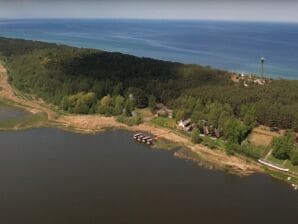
(147, 139)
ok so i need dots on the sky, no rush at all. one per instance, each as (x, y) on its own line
(241, 10)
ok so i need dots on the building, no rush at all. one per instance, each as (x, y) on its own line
(163, 111)
(216, 133)
(185, 125)
(206, 130)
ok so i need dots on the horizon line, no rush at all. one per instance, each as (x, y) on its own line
(148, 19)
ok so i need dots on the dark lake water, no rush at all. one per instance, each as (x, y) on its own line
(53, 176)
(7, 113)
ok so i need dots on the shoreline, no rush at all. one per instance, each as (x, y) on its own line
(87, 124)
(97, 123)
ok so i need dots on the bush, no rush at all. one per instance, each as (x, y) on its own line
(195, 136)
(282, 146)
(255, 152)
(294, 157)
(235, 131)
(209, 143)
(164, 122)
(231, 147)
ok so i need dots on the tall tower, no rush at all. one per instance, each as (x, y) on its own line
(262, 66)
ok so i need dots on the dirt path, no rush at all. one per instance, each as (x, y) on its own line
(92, 123)
(7, 92)
(268, 154)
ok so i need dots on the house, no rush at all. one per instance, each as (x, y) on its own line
(206, 130)
(185, 125)
(216, 133)
(163, 111)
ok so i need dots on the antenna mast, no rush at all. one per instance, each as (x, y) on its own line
(262, 66)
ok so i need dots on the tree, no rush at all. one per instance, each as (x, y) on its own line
(117, 89)
(187, 104)
(119, 105)
(81, 103)
(152, 102)
(129, 107)
(294, 156)
(283, 146)
(195, 136)
(198, 112)
(214, 110)
(81, 107)
(139, 96)
(105, 105)
(235, 131)
(248, 115)
(179, 115)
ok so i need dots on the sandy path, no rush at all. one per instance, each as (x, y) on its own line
(7, 92)
(91, 123)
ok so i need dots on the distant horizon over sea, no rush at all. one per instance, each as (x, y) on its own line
(228, 45)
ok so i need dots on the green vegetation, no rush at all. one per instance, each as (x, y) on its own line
(152, 102)
(195, 136)
(87, 81)
(81, 103)
(285, 147)
(210, 143)
(76, 79)
(164, 122)
(29, 121)
(130, 121)
(166, 145)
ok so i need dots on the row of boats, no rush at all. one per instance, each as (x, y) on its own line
(147, 139)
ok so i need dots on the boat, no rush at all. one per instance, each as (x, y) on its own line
(147, 139)
(273, 166)
(135, 136)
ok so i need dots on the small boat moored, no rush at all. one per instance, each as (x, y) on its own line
(135, 136)
(147, 139)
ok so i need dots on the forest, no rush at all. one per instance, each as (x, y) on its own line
(92, 81)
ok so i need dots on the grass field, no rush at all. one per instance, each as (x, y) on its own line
(164, 122)
(283, 163)
(260, 136)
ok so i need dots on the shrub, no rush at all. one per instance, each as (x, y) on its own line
(209, 143)
(282, 146)
(255, 152)
(231, 147)
(195, 136)
(294, 157)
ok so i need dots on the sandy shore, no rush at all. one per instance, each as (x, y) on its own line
(94, 123)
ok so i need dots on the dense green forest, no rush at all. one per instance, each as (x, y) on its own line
(77, 80)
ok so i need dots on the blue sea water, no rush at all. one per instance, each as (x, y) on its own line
(235, 46)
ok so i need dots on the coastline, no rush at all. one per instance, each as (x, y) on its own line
(87, 124)
(97, 123)
(193, 53)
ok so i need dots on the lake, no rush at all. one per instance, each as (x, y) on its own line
(8, 112)
(54, 176)
(235, 46)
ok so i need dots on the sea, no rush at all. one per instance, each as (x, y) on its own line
(233, 46)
